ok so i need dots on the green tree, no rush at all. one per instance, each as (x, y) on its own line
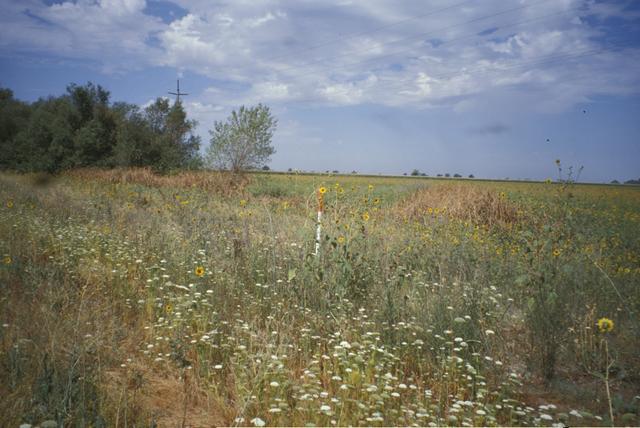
(81, 128)
(244, 140)
(172, 143)
(94, 123)
(133, 136)
(46, 142)
(14, 117)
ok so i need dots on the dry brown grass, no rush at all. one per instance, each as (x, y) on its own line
(218, 182)
(167, 397)
(475, 204)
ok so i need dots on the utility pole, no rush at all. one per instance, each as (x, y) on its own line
(177, 93)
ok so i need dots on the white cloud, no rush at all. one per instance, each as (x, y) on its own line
(343, 52)
(111, 32)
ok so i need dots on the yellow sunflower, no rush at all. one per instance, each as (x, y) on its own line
(605, 325)
(199, 271)
(322, 190)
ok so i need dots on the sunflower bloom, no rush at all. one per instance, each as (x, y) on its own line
(605, 325)
(365, 216)
(199, 271)
(322, 190)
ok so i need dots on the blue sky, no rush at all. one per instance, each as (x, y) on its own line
(377, 86)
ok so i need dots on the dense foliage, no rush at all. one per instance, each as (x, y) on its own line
(244, 140)
(84, 128)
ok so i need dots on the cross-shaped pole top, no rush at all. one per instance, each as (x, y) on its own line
(177, 93)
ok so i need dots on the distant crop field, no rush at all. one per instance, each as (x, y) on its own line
(131, 299)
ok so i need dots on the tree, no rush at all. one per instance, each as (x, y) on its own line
(14, 117)
(244, 140)
(173, 142)
(415, 173)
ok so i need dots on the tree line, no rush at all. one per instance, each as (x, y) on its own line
(83, 128)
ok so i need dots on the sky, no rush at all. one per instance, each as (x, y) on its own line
(493, 88)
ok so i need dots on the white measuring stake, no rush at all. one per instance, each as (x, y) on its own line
(318, 231)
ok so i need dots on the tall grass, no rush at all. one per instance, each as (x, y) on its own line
(195, 300)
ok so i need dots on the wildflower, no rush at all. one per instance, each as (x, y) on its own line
(605, 325)
(376, 201)
(365, 216)
(341, 239)
(370, 187)
(557, 161)
(258, 422)
(243, 202)
(168, 308)
(7, 260)
(199, 271)
(9, 204)
(556, 252)
(322, 190)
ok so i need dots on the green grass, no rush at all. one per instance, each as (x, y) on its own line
(431, 302)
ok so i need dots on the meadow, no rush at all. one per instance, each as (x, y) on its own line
(131, 299)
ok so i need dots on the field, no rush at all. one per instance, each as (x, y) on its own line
(129, 299)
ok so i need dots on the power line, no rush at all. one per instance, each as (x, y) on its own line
(373, 30)
(447, 42)
(480, 71)
(419, 35)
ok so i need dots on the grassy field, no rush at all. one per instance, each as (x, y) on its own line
(128, 299)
